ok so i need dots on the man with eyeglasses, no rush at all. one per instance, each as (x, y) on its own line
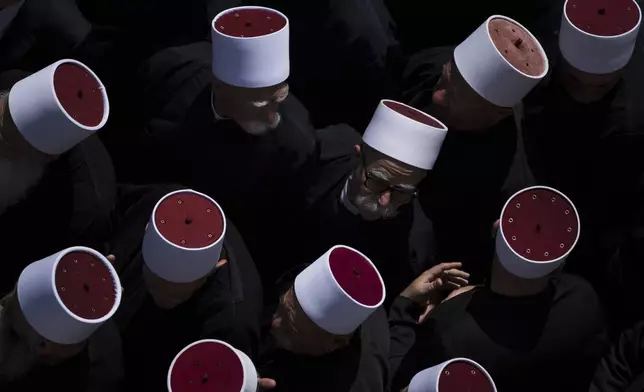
(364, 193)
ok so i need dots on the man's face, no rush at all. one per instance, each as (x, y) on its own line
(254, 109)
(380, 186)
(460, 107)
(294, 331)
(584, 87)
(22, 348)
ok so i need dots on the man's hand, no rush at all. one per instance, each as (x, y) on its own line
(428, 287)
(266, 384)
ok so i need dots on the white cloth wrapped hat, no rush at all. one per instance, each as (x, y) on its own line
(406, 134)
(59, 106)
(8, 14)
(598, 36)
(502, 61)
(250, 47)
(340, 290)
(455, 375)
(538, 228)
(185, 236)
(215, 363)
(67, 296)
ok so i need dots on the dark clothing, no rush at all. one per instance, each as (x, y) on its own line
(401, 247)
(44, 31)
(550, 341)
(76, 203)
(623, 366)
(227, 307)
(259, 180)
(98, 368)
(591, 153)
(343, 57)
(359, 367)
(461, 193)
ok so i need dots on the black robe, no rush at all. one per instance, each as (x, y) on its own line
(591, 153)
(461, 193)
(359, 367)
(622, 368)
(401, 247)
(228, 307)
(98, 368)
(547, 342)
(344, 57)
(259, 181)
(77, 202)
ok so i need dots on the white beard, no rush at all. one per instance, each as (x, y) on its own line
(17, 177)
(259, 128)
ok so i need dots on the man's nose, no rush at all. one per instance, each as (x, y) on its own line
(384, 198)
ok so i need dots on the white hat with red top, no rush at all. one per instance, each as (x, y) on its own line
(185, 236)
(340, 290)
(538, 228)
(59, 106)
(502, 61)
(455, 375)
(598, 36)
(250, 47)
(67, 296)
(406, 134)
(212, 365)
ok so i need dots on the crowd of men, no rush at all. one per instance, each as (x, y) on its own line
(321, 195)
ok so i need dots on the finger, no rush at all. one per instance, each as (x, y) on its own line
(457, 272)
(452, 286)
(442, 267)
(266, 383)
(423, 317)
(458, 281)
(221, 263)
(495, 227)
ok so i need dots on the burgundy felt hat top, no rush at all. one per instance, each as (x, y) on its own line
(606, 18)
(517, 46)
(356, 276)
(80, 94)
(461, 376)
(540, 225)
(207, 366)
(189, 220)
(250, 22)
(85, 285)
(413, 114)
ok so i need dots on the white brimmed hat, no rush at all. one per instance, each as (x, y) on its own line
(59, 106)
(215, 363)
(598, 36)
(185, 236)
(405, 134)
(250, 47)
(67, 296)
(538, 228)
(340, 290)
(490, 73)
(455, 375)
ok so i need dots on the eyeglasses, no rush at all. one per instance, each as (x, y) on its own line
(379, 185)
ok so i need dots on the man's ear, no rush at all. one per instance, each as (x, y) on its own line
(357, 148)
